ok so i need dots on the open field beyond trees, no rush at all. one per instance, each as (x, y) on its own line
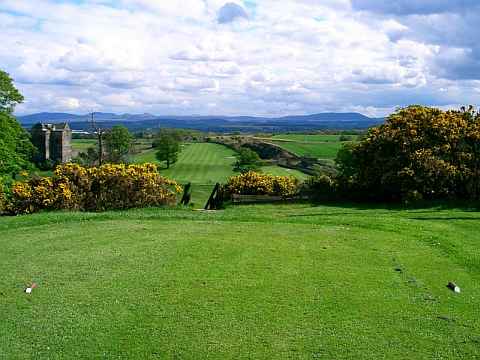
(286, 281)
(320, 146)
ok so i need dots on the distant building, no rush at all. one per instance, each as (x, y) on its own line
(53, 141)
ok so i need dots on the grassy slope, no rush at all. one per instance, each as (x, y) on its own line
(280, 171)
(249, 282)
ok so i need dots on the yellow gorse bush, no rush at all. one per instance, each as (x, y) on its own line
(253, 183)
(101, 188)
(424, 151)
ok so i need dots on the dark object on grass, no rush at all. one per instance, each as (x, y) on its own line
(216, 199)
(454, 287)
(187, 195)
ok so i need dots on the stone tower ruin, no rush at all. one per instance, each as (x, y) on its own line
(53, 142)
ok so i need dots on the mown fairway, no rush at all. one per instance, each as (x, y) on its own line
(197, 163)
(203, 165)
(262, 282)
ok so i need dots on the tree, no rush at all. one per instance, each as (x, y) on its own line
(118, 142)
(247, 160)
(88, 158)
(176, 134)
(9, 95)
(168, 147)
(16, 149)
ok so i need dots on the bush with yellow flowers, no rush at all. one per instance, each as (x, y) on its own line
(253, 183)
(419, 153)
(108, 187)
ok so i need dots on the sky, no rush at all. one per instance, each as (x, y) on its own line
(241, 57)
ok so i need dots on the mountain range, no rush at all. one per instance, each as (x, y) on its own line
(136, 122)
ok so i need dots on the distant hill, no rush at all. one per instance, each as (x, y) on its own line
(135, 122)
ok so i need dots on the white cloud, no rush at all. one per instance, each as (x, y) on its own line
(299, 56)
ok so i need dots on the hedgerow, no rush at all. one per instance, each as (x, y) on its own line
(108, 187)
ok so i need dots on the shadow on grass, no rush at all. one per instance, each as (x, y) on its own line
(427, 206)
(325, 214)
(439, 218)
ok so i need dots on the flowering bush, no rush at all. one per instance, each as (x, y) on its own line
(94, 189)
(252, 183)
(419, 153)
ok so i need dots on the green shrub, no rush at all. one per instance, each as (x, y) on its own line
(321, 188)
(247, 160)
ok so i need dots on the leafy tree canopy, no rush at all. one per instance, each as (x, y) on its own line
(168, 147)
(9, 95)
(16, 150)
(118, 142)
(247, 160)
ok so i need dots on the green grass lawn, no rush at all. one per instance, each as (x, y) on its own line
(250, 282)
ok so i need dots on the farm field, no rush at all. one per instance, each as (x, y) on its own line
(308, 137)
(324, 151)
(81, 145)
(263, 282)
(323, 147)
